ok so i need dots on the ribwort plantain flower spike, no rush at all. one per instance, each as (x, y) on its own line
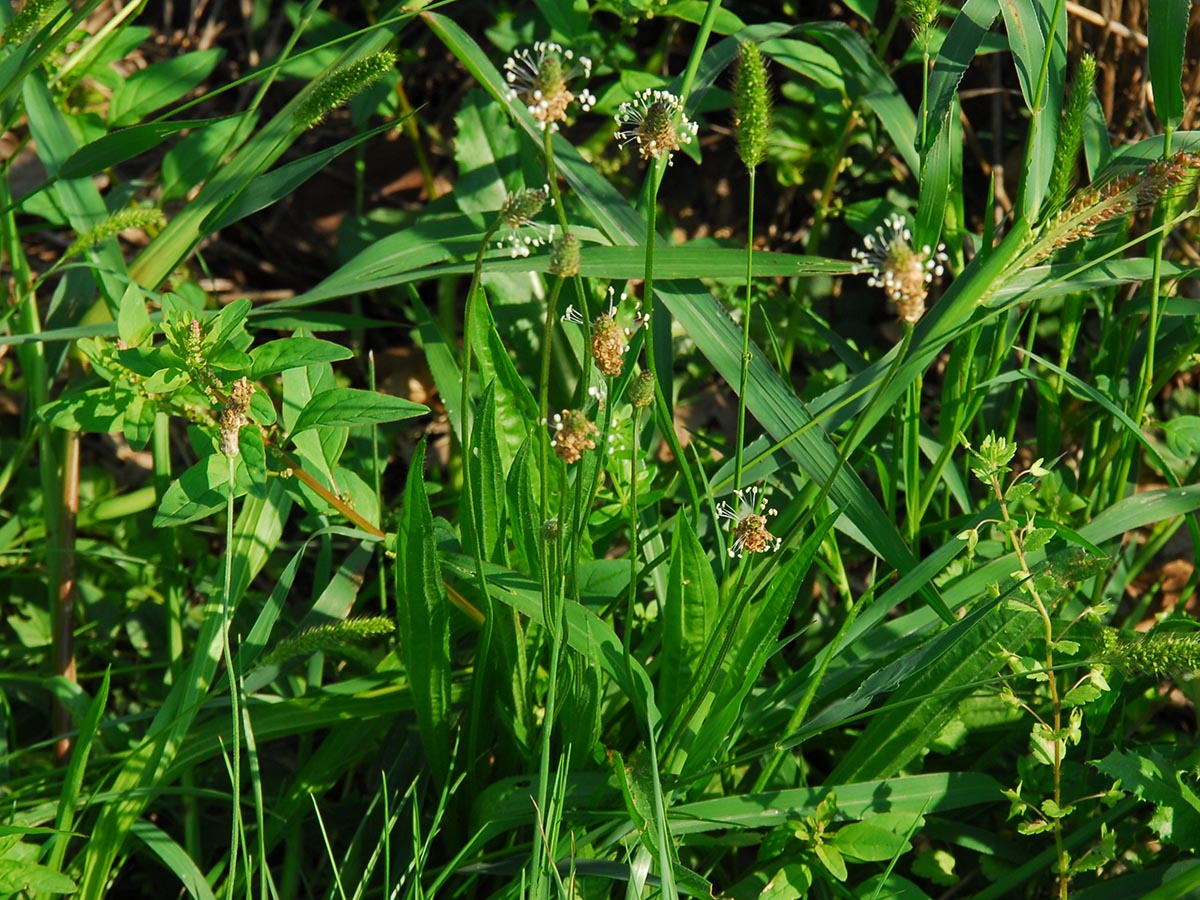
(903, 272)
(750, 517)
(520, 233)
(565, 256)
(654, 119)
(573, 434)
(541, 78)
(641, 390)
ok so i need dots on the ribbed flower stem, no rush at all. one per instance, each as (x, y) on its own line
(484, 647)
(544, 407)
(745, 373)
(660, 391)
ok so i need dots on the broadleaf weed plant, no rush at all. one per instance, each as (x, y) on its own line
(522, 527)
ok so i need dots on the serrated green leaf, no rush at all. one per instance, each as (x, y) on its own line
(291, 352)
(1038, 538)
(350, 407)
(1154, 775)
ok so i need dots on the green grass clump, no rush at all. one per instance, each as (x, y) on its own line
(718, 475)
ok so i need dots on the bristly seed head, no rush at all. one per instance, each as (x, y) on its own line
(540, 78)
(655, 120)
(903, 272)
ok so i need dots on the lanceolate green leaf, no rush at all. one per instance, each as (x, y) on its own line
(280, 183)
(422, 619)
(288, 353)
(967, 32)
(350, 406)
(489, 478)
(1167, 33)
(125, 143)
(1034, 32)
(160, 83)
(690, 614)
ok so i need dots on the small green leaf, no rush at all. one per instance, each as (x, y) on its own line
(864, 842)
(292, 352)
(133, 321)
(139, 421)
(199, 492)
(832, 860)
(789, 883)
(17, 876)
(350, 407)
(1183, 435)
(1038, 538)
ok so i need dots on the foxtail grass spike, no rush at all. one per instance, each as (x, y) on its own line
(751, 105)
(1155, 653)
(24, 23)
(1070, 134)
(923, 14)
(344, 635)
(340, 85)
(114, 225)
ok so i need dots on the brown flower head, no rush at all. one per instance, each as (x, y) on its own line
(750, 518)
(541, 77)
(655, 120)
(903, 272)
(573, 434)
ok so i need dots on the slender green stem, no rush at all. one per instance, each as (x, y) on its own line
(634, 548)
(484, 647)
(226, 600)
(544, 402)
(662, 379)
(745, 373)
(555, 627)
